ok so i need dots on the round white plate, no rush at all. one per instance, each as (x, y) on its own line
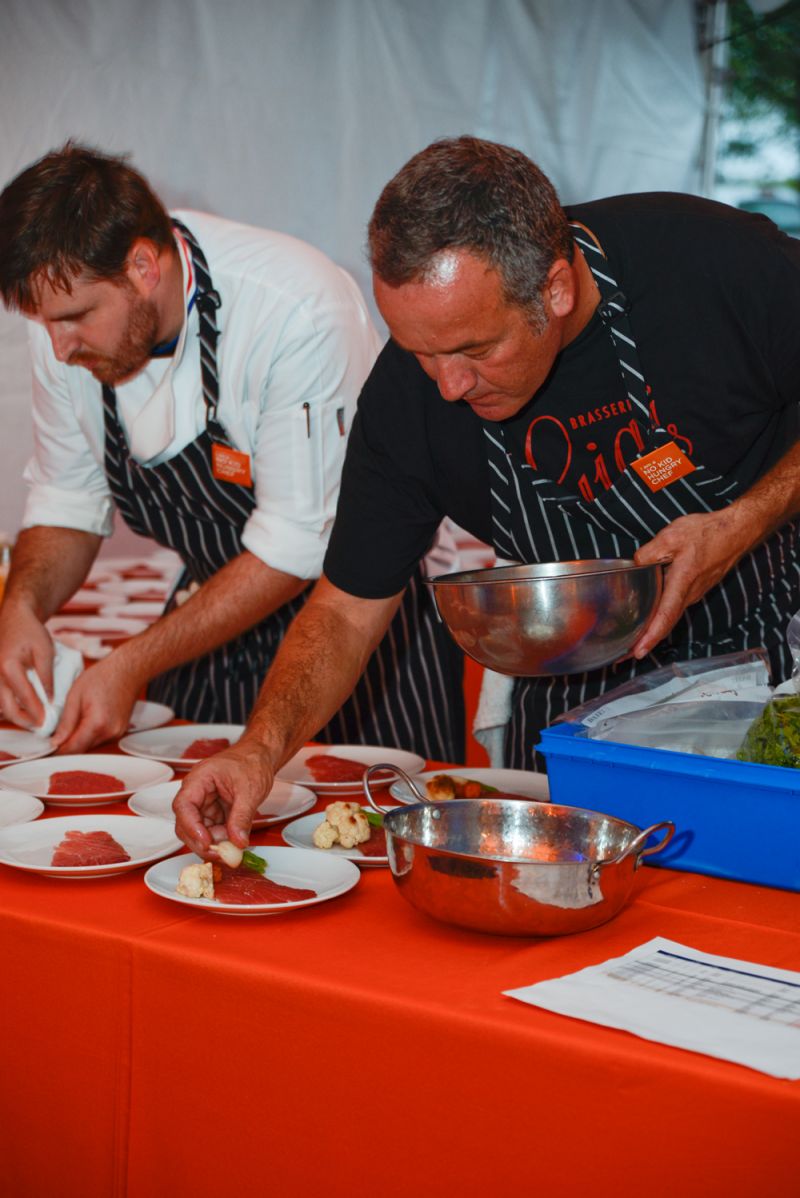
(295, 769)
(169, 744)
(134, 610)
(147, 590)
(33, 777)
(31, 846)
(146, 715)
(328, 876)
(514, 782)
(23, 746)
(84, 600)
(155, 802)
(18, 808)
(108, 628)
(284, 801)
(300, 834)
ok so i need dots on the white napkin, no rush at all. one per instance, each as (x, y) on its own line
(494, 705)
(493, 713)
(67, 665)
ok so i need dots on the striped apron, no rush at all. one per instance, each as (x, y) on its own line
(410, 695)
(535, 520)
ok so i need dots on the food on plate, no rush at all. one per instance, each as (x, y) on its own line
(376, 845)
(345, 824)
(197, 881)
(244, 884)
(83, 782)
(149, 594)
(206, 747)
(230, 853)
(351, 827)
(453, 786)
(88, 848)
(140, 570)
(327, 767)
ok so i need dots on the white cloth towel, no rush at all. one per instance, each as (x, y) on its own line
(494, 706)
(67, 665)
(492, 714)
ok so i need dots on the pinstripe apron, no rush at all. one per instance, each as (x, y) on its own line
(410, 695)
(535, 520)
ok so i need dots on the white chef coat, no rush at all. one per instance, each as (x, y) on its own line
(296, 344)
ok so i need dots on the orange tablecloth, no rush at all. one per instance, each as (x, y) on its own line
(359, 1048)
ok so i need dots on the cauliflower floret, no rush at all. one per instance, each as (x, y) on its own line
(325, 835)
(344, 824)
(197, 881)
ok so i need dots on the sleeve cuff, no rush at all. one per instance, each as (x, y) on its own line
(286, 546)
(56, 508)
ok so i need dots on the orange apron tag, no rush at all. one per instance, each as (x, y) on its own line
(663, 466)
(230, 465)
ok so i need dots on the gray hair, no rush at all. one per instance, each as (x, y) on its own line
(488, 199)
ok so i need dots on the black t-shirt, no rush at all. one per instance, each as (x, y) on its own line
(714, 298)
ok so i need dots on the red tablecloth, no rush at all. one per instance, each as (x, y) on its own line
(359, 1048)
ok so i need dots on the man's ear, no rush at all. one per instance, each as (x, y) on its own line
(559, 290)
(143, 266)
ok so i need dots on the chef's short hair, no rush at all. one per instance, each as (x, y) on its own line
(468, 194)
(74, 212)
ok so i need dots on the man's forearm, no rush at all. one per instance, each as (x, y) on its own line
(321, 659)
(240, 595)
(48, 565)
(770, 502)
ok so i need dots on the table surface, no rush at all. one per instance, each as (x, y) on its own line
(359, 1048)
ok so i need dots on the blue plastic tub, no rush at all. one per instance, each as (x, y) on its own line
(732, 819)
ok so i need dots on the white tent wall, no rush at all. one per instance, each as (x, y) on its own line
(292, 114)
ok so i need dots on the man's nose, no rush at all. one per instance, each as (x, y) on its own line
(454, 378)
(63, 340)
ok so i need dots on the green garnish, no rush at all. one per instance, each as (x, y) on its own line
(774, 737)
(253, 861)
(373, 817)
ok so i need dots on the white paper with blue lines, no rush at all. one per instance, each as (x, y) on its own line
(663, 991)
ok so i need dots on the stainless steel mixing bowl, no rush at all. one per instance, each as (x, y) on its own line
(550, 618)
(510, 866)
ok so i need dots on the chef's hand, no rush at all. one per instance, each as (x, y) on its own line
(25, 643)
(220, 796)
(98, 706)
(697, 551)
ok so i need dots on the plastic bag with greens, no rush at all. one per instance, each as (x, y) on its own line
(774, 736)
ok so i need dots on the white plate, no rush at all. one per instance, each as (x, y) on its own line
(146, 715)
(295, 769)
(18, 808)
(155, 802)
(23, 746)
(328, 876)
(149, 590)
(284, 801)
(515, 782)
(133, 610)
(300, 834)
(33, 777)
(169, 744)
(84, 600)
(108, 628)
(31, 846)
